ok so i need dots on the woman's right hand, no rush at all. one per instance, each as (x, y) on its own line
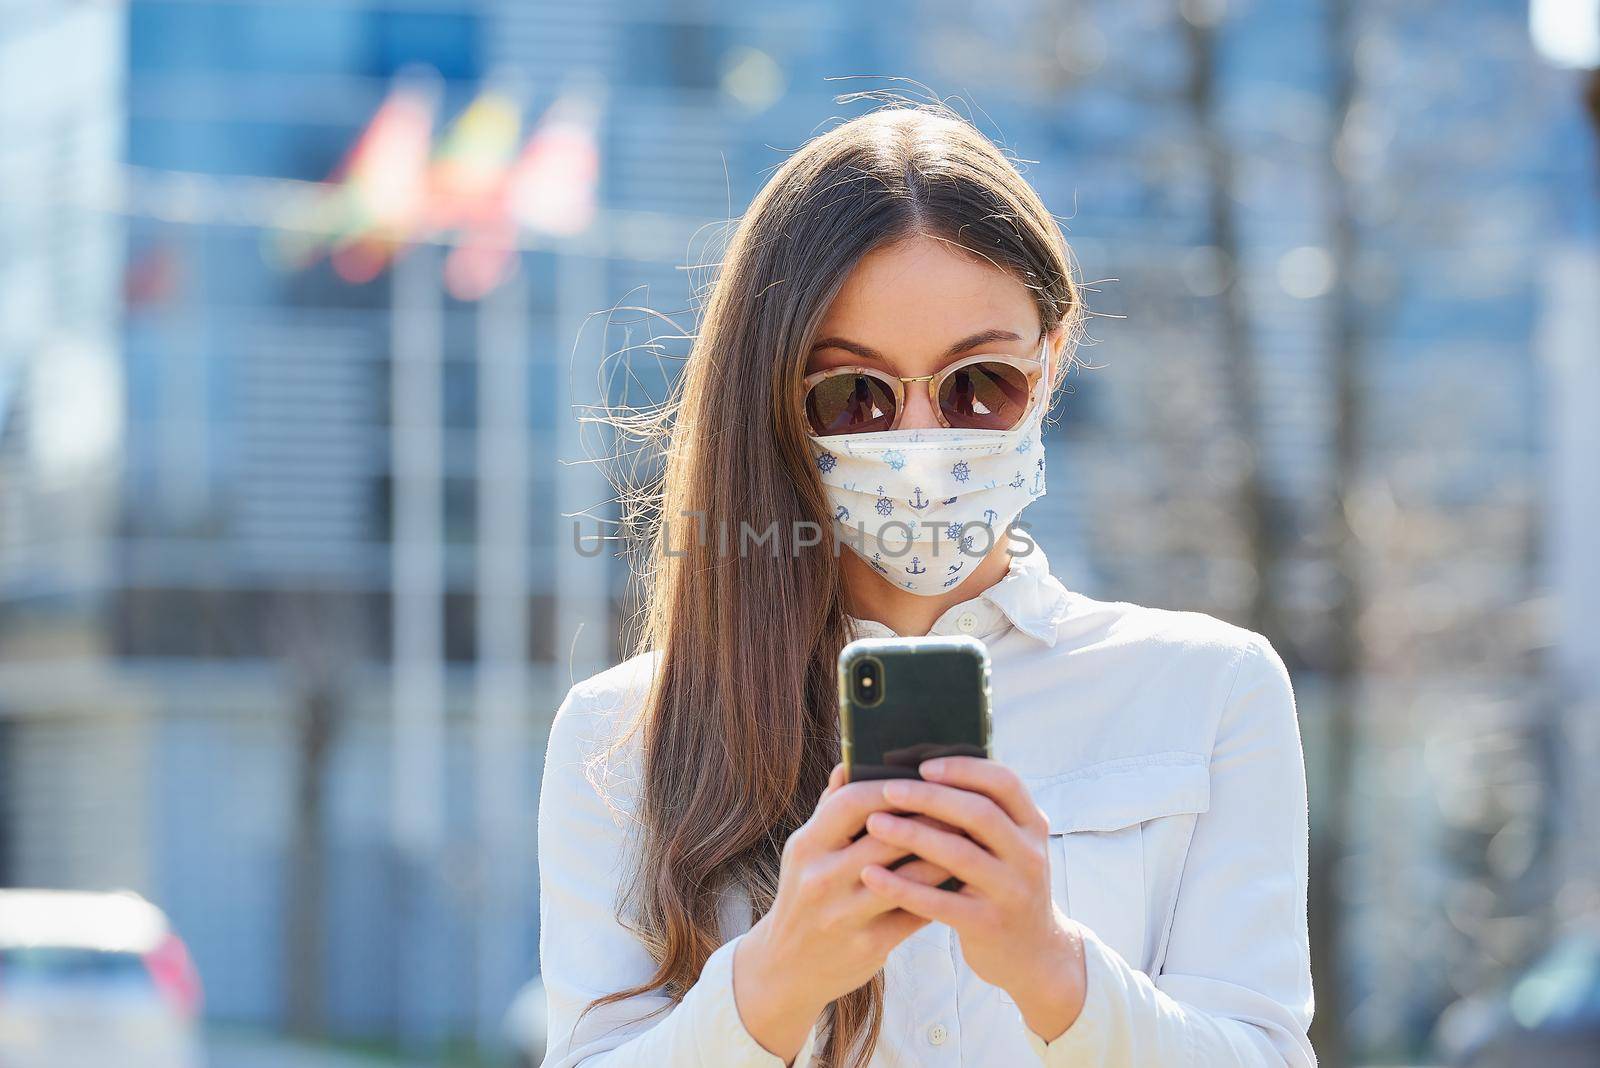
(826, 933)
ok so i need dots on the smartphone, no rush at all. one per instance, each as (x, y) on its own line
(906, 700)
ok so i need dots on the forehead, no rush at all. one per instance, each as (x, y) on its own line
(920, 294)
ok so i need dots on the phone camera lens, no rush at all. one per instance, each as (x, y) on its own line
(868, 679)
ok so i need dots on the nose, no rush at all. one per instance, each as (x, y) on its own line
(920, 413)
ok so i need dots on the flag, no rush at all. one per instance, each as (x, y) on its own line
(475, 189)
(153, 275)
(467, 195)
(550, 188)
(554, 184)
(371, 205)
(468, 172)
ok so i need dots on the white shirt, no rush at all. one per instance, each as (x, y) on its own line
(1165, 749)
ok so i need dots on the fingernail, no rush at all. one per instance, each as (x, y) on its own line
(932, 767)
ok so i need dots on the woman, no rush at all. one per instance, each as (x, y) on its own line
(889, 324)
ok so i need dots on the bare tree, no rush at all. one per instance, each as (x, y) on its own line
(1262, 519)
(318, 636)
(1344, 663)
(1256, 511)
(1591, 98)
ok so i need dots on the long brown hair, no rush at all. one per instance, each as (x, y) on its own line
(739, 724)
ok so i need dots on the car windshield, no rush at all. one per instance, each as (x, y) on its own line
(22, 967)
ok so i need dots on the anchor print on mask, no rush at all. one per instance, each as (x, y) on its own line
(918, 502)
(1025, 444)
(842, 514)
(895, 459)
(1016, 483)
(1038, 478)
(915, 567)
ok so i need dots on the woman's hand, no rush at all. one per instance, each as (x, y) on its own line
(1012, 934)
(826, 933)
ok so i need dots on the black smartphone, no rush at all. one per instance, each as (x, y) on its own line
(906, 700)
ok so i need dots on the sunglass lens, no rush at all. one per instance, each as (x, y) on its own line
(985, 396)
(849, 404)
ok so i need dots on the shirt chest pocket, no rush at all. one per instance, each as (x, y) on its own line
(1119, 833)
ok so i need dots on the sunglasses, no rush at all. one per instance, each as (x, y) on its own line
(984, 392)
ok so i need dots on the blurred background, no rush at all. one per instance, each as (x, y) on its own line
(300, 301)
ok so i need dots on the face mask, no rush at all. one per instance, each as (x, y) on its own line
(925, 506)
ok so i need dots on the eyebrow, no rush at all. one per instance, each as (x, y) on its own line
(982, 337)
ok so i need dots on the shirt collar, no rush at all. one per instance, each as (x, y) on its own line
(1027, 597)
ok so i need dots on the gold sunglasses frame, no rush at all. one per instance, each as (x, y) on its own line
(1031, 367)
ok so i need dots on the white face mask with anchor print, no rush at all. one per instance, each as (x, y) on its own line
(925, 506)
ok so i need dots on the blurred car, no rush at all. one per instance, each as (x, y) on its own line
(525, 1025)
(94, 980)
(1549, 1017)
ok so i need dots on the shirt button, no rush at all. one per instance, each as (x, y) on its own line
(966, 622)
(937, 1034)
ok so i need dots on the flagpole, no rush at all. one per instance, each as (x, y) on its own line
(583, 579)
(502, 803)
(185, 440)
(418, 677)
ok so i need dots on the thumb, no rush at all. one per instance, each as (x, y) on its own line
(836, 779)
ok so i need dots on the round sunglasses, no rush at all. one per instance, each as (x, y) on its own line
(989, 391)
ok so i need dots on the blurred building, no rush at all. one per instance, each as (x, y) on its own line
(195, 477)
(64, 736)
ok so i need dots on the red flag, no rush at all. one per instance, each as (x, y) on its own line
(372, 203)
(153, 276)
(554, 184)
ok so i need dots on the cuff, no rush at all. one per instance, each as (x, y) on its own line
(1081, 1042)
(720, 1032)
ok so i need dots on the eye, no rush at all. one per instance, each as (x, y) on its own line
(988, 394)
(849, 404)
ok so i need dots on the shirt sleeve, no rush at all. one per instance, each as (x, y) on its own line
(585, 952)
(1235, 988)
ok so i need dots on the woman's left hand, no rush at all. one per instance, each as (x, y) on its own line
(1012, 934)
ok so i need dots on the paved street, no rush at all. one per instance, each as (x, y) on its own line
(236, 1049)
